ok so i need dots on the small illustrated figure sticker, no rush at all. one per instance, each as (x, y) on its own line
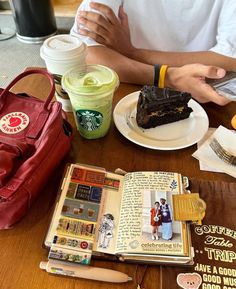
(106, 230)
(189, 280)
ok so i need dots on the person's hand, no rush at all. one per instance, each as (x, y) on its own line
(191, 78)
(105, 28)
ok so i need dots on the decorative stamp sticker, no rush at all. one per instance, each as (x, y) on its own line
(112, 183)
(84, 192)
(80, 210)
(72, 243)
(69, 256)
(71, 190)
(73, 227)
(83, 176)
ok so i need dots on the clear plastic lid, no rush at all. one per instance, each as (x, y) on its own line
(90, 79)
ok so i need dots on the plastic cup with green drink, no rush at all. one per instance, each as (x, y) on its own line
(91, 89)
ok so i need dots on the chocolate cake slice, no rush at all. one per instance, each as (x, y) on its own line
(157, 106)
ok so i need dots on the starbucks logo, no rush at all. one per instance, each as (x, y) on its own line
(89, 119)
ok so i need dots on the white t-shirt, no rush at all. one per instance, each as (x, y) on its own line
(177, 25)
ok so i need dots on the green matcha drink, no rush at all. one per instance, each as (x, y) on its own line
(90, 89)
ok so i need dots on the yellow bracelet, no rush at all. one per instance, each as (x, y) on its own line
(161, 82)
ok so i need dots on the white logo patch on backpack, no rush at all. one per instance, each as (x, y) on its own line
(14, 122)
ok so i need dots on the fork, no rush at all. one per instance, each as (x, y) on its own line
(222, 153)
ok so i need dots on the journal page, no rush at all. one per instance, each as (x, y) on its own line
(146, 219)
(72, 230)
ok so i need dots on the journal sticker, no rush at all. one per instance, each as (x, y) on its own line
(189, 280)
(95, 194)
(95, 177)
(71, 190)
(72, 243)
(69, 256)
(84, 192)
(77, 228)
(112, 183)
(89, 177)
(80, 210)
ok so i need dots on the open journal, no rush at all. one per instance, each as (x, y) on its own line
(139, 217)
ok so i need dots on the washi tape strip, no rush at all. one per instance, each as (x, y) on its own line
(112, 183)
(84, 192)
(84, 176)
(69, 256)
(80, 210)
(88, 193)
(72, 188)
(95, 194)
(72, 243)
(77, 228)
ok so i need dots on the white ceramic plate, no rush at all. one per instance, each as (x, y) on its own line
(173, 136)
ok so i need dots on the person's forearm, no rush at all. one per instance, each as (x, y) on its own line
(182, 58)
(188, 78)
(128, 70)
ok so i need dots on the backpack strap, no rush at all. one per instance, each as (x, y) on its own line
(24, 74)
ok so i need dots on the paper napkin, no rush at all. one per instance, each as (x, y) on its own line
(207, 156)
(202, 165)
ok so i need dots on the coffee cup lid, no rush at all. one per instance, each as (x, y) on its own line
(90, 79)
(62, 47)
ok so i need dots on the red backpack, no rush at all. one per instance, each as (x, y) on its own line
(34, 137)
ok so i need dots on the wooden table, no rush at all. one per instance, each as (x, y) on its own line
(22, 249)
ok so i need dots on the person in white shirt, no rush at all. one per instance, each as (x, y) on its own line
(131, 36)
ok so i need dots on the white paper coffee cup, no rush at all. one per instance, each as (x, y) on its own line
(62, 53)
